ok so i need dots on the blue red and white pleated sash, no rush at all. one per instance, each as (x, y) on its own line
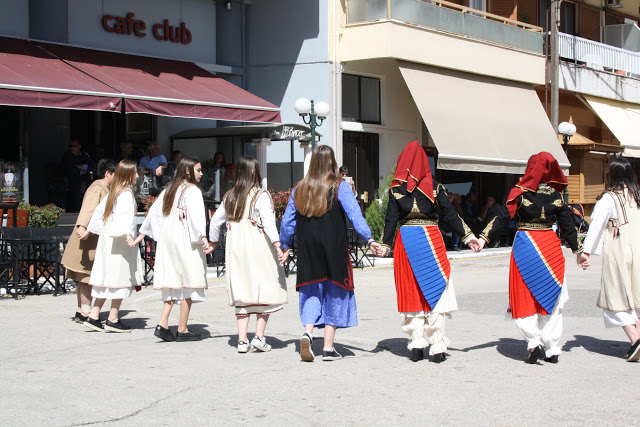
(540, 262)
(428, 259)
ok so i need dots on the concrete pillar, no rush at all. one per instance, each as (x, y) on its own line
(261, 156)
(307, 155)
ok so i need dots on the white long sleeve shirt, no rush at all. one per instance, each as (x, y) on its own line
(122, 220)
(604, 211)
(263, 208)
(192, 202)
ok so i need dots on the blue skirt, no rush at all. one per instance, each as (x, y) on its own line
(325, 303)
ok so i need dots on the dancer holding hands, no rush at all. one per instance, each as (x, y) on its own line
(117, 266)
(421, 268)
(537, 285)
(176, 220)
(316, 213)
(616, 220)
(255, 280)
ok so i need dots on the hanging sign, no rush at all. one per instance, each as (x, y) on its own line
(288, 132)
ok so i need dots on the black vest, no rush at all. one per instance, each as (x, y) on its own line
(322, 251)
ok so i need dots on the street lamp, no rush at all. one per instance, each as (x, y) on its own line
(316, 115)
(567, 130)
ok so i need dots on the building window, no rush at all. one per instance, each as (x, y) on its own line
(568, 18)
(360, 99)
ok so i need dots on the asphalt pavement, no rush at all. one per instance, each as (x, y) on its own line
(56, 372)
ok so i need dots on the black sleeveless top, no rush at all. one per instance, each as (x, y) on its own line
(322, 251)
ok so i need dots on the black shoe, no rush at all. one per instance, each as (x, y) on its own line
(116, 326)
(438, 358)
(552, 359)
(328, 356)
(417, 354)
(633, 354)
(164, 334)
(94, 324)
(306, 350)
(78, 317)
(535, 354)
(188, 336)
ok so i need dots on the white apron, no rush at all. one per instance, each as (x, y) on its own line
(254, 275)
(180, 262)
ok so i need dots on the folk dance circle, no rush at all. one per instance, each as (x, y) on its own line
(103, 257)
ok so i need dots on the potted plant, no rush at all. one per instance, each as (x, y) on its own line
(44, 216)
(280, 201)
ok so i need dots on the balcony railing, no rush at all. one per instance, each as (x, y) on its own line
(450, 17)
(598, 55)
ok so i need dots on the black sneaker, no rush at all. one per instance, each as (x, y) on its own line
(633, 354)
(94, 324)
(116, 326)
(330, 355)
(189, 336)
(78, 317)
(552, 359)
(306, 352)
(164, 334)
(417, 354)
(535, 354)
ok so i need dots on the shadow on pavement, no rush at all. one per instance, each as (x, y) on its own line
(277, 344)
(508, 347)
(611, 348)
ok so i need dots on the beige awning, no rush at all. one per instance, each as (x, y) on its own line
(622, 119)
(481, 123)
(631, 152)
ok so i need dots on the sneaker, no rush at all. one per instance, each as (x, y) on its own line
(306, 352)
(164, 334)
(188, 336)
(260, 344)
(94, 324)
(243, 346)
(634, 352)
(330, 355)
(116, 326)
(79, 318)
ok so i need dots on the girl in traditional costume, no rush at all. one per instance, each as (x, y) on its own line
(537, 287)
(616, 220)
(255, 281)
(117, 267)
(421, 268)
(316, 213)
(176, 220)
(79, 254)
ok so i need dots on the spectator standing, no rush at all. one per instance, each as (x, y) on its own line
(78, 167)
(344, 172)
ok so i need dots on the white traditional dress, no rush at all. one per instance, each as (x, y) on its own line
(117, 267)
(616, 221)
(180, 267)
(255, 279)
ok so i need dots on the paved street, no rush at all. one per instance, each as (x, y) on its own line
(56, 372)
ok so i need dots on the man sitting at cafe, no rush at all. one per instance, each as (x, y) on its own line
(154, 161)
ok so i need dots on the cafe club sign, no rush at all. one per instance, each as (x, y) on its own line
(162, 31)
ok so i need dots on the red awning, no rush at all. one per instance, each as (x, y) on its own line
(167, 87)
(31, 77)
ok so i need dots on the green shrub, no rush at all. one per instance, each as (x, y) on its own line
(42, 216)
(377, 211)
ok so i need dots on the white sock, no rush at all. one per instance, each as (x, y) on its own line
(328, 349)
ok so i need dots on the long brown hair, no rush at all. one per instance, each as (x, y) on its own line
(185, 172)
(124, 176)
(311, 192)
(247, 178)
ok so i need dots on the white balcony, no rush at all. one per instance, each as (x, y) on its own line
(451, 18)
(598, 56)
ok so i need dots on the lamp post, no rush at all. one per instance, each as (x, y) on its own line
(567, 130)
(305, 108)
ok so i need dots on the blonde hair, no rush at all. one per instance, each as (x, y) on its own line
(124, 176)
(315, 192)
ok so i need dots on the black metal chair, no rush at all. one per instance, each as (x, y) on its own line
(148, 254)
(291, 266)
(218, 254)
(10, 268)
